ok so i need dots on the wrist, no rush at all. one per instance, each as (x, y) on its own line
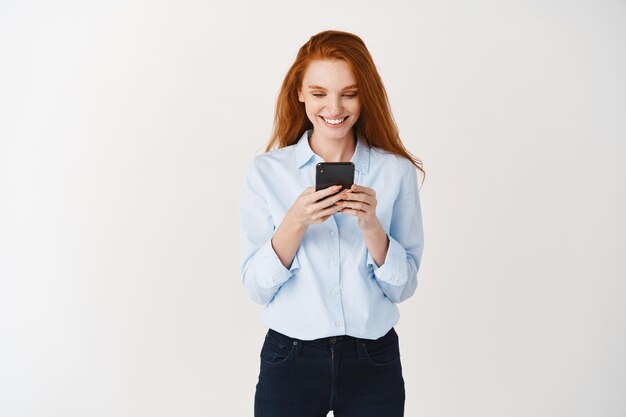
(293, 224)
(374, 229)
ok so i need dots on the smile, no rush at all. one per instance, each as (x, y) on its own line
(333, 122)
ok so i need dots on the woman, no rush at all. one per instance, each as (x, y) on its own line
(330, 266)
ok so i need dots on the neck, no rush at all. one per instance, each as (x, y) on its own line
(333, 150)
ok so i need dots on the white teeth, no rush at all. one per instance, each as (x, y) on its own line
(333, 121)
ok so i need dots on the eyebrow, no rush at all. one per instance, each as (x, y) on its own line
(317, 87)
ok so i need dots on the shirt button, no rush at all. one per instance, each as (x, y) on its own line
(333, 262)
(338, 323)
(335, 292)
(332, 233)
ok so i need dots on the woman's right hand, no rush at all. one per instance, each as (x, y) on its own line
(314, 207)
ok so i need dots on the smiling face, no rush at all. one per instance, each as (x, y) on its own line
(331, 100)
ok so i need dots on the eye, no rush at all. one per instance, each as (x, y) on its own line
(345, 95)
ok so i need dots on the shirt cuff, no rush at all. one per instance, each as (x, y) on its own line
(270, 270)
(393, 270)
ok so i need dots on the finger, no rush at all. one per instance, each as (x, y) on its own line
(361, 189)
(354, 205)
(353, 212)
(325, 192)
(352, 196)
(308, 190)
(328, 201)
(329, 190)
(327, 212)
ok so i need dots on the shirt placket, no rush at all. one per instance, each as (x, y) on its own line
(334, 274)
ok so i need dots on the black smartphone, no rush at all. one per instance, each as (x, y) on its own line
(334, 173)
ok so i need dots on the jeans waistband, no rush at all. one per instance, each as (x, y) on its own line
(325, 342)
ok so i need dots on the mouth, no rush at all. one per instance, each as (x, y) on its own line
(334, 122)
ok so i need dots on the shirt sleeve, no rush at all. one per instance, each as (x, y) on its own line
(261, 271)
(397, 276)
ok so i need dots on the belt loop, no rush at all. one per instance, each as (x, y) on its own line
(360, 348)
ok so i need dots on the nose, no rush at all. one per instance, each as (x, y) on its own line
(334, 105)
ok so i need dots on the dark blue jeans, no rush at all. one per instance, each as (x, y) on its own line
(351, 376)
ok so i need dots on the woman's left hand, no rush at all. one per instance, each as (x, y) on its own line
(361, 202)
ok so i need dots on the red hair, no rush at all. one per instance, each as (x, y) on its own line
(375, 124)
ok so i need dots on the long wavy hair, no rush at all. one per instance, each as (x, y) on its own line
(375, 123)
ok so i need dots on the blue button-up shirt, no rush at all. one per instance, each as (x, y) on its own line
(333, 286)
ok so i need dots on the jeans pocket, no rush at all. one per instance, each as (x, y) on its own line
(384, 351)
(275, 351)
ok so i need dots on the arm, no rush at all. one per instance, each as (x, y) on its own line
(262, 272)
(287, 239)
(397, 277)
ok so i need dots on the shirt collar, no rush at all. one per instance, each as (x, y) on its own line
(361, 157)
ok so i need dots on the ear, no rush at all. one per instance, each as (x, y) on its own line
(300, 96)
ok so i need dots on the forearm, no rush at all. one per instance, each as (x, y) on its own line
(286, 240)
(377, 243)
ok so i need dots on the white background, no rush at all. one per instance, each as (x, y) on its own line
(125, 128)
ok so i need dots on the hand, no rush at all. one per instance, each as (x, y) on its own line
(315, 206)
(361, 202)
